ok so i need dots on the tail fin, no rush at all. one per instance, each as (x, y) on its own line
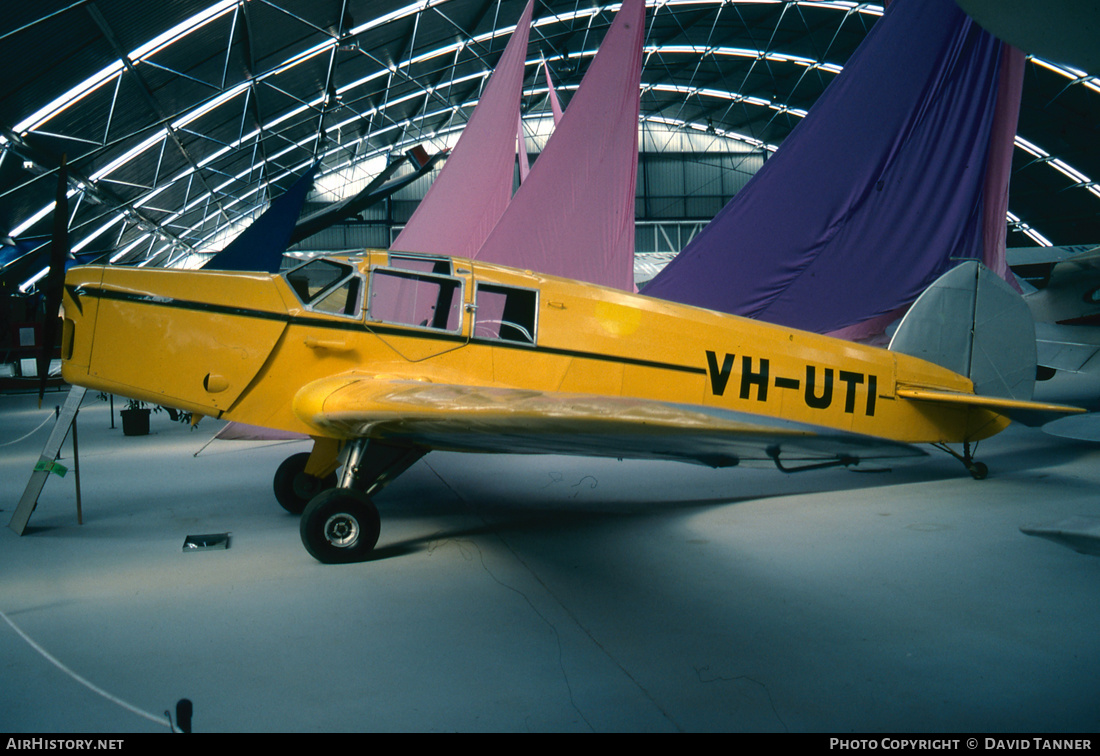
(972, 322)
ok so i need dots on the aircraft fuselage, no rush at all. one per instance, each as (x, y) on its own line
(240, 346)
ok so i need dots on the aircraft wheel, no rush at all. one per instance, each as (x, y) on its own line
(340, 525)
(294, 488)
(978, 470)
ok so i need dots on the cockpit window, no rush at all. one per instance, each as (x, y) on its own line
(415, 299)
(340, 300)
(327, 286)
(505, 313)
(422, 263)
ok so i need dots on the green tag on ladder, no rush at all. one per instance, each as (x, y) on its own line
(51, 466)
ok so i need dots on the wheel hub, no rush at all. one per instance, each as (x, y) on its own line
(342, 530)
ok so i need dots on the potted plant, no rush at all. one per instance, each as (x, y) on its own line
(135, 418)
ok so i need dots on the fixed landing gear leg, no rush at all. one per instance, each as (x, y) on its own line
(342, 525)
(371, 465)
(977, 470)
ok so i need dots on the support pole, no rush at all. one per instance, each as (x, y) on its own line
(76, 474)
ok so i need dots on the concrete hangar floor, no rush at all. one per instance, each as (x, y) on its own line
(547, 594)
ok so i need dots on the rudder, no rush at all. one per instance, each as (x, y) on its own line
(972, 322)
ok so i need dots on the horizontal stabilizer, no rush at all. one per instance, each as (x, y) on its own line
(1026, 412)
(1081, 533)
(1084, 427)
(990, 402)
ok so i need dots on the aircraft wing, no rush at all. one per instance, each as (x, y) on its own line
(507, 420)
(1070, 348)
(1064, 279)
(1024, 256)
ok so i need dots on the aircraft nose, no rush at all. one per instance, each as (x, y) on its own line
(75, 334)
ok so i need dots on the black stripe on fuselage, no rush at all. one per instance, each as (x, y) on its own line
(360, 326)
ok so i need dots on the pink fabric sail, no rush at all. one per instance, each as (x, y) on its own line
(521, 140)
(999, 166)
(552, 95)
(474, 187)
(574, 215)
(234, 431)
(521, 149)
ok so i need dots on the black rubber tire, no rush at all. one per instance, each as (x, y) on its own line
(339, 526)
(978, 470)
(293, 488)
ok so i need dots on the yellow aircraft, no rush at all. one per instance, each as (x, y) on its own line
(383, 356)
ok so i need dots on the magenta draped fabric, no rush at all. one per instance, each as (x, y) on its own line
(474, 187)
(574, 214)
(999, 168)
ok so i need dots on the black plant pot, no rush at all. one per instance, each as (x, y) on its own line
(135, 422)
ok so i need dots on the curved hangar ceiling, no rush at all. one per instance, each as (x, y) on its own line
(180, 120)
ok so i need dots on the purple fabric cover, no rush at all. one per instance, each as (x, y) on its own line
(872, 196)
(475, 185)
(574, 214)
